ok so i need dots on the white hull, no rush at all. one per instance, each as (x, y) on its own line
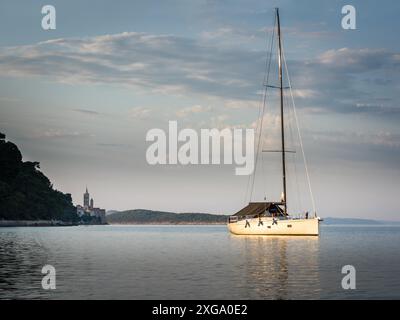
(294, 227)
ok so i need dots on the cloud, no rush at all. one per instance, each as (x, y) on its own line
(60, 134)
(192, 110)
(9, 99)
(380, 147)
(232, 36)
(362, 60)
(114, 145)
(379, 138)
(338, 80)
(159, 63)
(241, 104)
(304, 93)
(217, 33)
(139, 113)
(298, 32)
(377, 108)
(87, 112)
(348, 81)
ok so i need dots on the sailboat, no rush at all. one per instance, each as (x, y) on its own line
(272, 218)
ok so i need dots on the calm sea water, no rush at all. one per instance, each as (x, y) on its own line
(197, 262)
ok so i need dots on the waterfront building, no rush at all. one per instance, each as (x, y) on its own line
(80, 210)
(86, 197)
(88, 209)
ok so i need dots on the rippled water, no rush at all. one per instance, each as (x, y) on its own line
(197, 262)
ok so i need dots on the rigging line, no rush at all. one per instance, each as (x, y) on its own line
(266, 78)
(298, 197)
(261, 120)
(257, 129)
(259, 113)
(299, 134)
(264, 177)
(260, 138)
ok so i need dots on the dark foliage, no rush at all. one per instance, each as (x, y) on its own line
(26, 193)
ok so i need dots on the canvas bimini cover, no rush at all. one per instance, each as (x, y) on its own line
(256, 209)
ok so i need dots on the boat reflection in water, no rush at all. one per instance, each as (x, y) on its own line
(276, 267)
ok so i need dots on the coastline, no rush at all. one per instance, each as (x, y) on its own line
(167, 223)
(35, 223)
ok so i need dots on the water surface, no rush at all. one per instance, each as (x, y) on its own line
(197, 262)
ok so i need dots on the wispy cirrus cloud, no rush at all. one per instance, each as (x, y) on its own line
(163, 63)
(349, 81)
(139, 112)
(62, 134)
(338, 80)
(184, 112)
(380, 138)
(87, 112)
(362, 60)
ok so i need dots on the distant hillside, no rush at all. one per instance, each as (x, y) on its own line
(110, 212)
(330, 221)
(142, 216)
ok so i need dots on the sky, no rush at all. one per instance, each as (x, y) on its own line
(80, 99)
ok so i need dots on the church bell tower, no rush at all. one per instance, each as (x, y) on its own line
(86, 199)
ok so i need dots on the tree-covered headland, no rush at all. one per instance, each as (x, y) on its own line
(26, 193)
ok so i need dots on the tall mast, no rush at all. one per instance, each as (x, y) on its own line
(282, 120)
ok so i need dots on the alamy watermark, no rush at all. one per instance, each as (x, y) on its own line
(349, 18)
(49, 20)
(49, 280)
(349, 280)
(187, 146)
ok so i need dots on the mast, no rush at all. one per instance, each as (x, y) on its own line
(282, 120)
